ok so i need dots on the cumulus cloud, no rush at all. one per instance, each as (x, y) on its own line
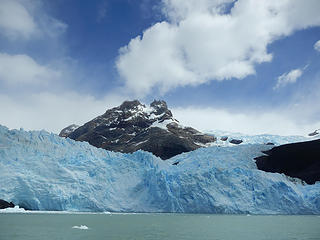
(15, 20)
(51, 111)
(201, 41)
(23, 19)
(278, 122)
(36, 96)
(288, 78)
(317, 46)
(38, 92)
(22, 69)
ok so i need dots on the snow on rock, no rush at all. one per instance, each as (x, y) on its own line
(42, 171)
(66, 131)
(162, 124)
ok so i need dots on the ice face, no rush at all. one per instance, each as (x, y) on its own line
(43, 171)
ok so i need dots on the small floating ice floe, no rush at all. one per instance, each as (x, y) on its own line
(82, 227)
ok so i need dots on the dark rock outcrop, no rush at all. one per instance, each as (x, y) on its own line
(224, 138)
(299, 160)
(235, 141)
(315, 133)
(133, 126)
(4, 204)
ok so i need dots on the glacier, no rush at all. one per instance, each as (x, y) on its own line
(42, 171)
(257, 139)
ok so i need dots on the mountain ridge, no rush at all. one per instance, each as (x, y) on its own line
(133, 126)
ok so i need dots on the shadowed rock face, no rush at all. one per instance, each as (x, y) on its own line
(300, 160)
(315, 133)
(235, 141)
(4, 204)
(133, 126)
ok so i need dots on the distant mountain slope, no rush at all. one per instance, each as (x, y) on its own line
(133, 126)
(66, 131)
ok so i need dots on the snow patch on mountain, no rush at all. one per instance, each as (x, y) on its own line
(68, 130)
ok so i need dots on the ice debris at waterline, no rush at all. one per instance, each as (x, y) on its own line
(15, 209)
(81, 227)
(42, 171)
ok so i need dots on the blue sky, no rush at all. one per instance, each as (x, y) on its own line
(247, 66)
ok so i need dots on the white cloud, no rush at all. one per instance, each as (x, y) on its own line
(299, 117)
(25, 19)
(35, 92)
(201, 43)
(52, 111)
(288, 78)
(317, 46)
(177, 10)
(51, 27)
(279, 122)
(15, 20)
(102, 11)
(22, 69)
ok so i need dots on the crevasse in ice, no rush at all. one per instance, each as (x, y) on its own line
(42, 171)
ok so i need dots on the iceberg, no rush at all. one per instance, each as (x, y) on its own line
(42, 171)
(81, 227)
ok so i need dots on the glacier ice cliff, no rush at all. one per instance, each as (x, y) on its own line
(43, 171)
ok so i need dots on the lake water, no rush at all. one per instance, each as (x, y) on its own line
(46, 226)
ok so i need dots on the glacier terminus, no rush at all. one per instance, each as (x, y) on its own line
(42, 171)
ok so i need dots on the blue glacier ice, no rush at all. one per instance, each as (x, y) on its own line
(41, 171)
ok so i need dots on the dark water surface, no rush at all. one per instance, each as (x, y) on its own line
(157, 226)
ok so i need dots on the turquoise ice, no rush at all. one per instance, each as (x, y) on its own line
(42, 171)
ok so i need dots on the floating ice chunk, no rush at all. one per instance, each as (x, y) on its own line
(81, 227)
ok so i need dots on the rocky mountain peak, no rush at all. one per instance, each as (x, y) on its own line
(133, 126)
(130, 105)
(159, 105)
